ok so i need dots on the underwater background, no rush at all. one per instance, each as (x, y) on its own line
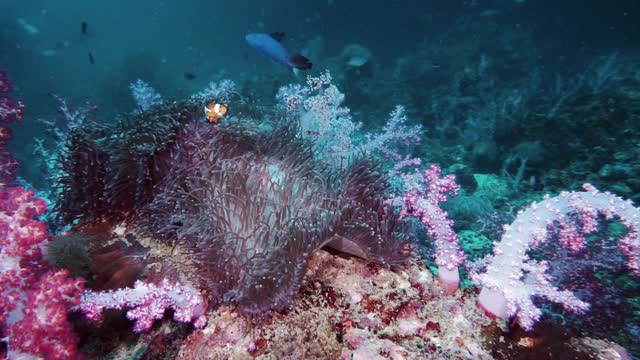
(419, 45)
(516, 98)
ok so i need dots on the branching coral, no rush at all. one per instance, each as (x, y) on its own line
(424, 192)
(512, 279)
(148, 303)
(144, 95)
(10, 111)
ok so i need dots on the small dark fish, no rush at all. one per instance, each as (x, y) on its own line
(83, 27)
(91, 59)
(189, 76)
(277, 36)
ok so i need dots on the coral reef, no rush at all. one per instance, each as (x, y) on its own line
(348, 308)
(10, 111)
(296, 235)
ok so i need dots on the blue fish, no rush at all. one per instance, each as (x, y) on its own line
(270, 46)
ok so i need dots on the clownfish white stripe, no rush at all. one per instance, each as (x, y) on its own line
(215, 111)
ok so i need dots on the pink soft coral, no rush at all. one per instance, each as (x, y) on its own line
(44, 328)
(512, 279)
(33, 299)
(10, 111)
(148, 302)
(424, 193)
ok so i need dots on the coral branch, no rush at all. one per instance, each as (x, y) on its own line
(148, 303)
(423, 195)
(44, 328)
(144, 95)
(512, 279)
(10, 111)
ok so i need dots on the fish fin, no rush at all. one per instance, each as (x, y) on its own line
(277, 36)
(296, 72)
(300, 62)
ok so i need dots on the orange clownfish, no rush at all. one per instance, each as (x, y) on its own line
(214, 111)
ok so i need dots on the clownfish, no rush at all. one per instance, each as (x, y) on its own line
(214, 111)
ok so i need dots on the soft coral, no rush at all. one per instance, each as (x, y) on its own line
(10, 111)
(33, 299)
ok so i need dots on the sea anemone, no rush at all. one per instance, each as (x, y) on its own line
(252, 208)
(137, 151)
(110, 171)
(81, 182)
(249, 204)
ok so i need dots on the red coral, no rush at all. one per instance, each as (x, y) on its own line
(258, 347)
(20, 236)
(44, 329)
(433, 326)
(33, 300)
(10, 111)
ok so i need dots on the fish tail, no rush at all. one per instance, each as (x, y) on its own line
(299, 62)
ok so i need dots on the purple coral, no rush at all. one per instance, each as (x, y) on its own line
(512, 279)
(148, 303)
(291, 98)
(395, 132)
(424, 193)
(322, 118)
